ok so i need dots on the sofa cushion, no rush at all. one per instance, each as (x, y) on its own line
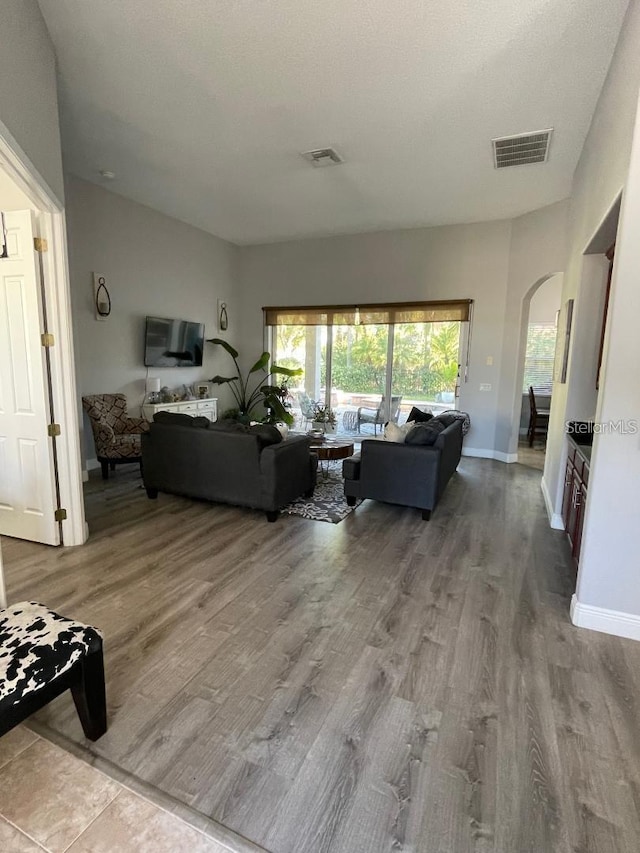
(181, 419)
(419, 416)
(425, 433)
(267, 434)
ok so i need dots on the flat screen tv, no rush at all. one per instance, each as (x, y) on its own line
(173, 343)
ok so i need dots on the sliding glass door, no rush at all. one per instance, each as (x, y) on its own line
(371, 364)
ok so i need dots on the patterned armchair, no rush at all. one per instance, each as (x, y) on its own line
(116, 436)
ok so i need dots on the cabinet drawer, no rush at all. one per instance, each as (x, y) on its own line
(188, 407)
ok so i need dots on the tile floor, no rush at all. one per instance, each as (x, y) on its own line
(52, 801)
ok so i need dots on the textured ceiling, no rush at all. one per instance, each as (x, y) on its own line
(202, 107)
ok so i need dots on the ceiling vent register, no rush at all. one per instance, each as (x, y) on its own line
(521, 150)
(323, 157)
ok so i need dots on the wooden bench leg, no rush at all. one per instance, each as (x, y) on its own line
(89, 696)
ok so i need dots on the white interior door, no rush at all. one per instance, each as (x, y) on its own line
(27, 474)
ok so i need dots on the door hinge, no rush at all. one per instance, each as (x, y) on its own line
(40, 244)
(60, 514)
(53, 430)
(47, 339)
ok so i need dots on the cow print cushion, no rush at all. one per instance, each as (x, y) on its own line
(36, 646)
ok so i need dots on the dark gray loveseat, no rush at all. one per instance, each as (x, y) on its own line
(405, 474)
(226, 463)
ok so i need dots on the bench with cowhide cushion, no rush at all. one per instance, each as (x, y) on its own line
(42, 654)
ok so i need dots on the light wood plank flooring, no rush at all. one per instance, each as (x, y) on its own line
(383, 684)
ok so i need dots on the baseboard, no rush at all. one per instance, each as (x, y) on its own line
(555, 519)
(614, 622)
(483, 453)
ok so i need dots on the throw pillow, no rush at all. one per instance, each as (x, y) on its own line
(419, 416)
(228, 425)
(446, 419)
(392, 432)
(425, 433)
(398, 434)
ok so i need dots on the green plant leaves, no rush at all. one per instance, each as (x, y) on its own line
(220, 380)
(225, 345)
(287, 371)
(261, 363)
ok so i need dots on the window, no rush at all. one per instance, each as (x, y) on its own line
(539, 358)
(385, 357)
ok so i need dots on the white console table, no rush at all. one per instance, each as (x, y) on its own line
(207, 407)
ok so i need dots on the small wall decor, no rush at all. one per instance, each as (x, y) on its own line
(564, 341)
(223, 316)
(101, 297)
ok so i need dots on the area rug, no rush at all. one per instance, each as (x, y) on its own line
(327, 504)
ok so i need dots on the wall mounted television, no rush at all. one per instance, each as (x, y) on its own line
(173, 343)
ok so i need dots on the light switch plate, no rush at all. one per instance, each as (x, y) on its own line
(485, 386)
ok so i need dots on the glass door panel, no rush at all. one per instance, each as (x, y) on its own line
(359, 377)
(305, 347)
(425, 367)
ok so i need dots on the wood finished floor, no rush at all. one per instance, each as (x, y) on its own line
(383, 684)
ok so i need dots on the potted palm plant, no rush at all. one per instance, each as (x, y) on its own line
(257, 390)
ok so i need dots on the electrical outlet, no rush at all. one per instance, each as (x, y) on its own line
(485, 386)
(490, 360)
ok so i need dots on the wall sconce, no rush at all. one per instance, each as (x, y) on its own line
(223, 317)
(101, 297)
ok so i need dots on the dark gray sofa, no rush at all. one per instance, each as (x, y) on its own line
(224, 462)
(409, 475)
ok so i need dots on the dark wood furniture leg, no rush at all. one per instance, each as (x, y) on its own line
(273, 514)
(426, 514)
(104, 464)
(89, 695)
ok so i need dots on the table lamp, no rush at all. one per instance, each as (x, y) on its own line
(153, 389)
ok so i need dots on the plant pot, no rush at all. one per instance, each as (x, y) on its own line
(320, 425)
(330, 429)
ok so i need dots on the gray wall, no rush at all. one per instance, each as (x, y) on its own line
(154, 265)
(28, 93)
(600, 175)
(608, 576)
(478, 261)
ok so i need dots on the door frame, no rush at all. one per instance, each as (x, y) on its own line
(50, 218)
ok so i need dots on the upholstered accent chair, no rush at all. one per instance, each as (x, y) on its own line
(43, 654)
(378, 416)
(116, 435)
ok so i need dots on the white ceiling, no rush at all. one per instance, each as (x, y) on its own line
(202, 107)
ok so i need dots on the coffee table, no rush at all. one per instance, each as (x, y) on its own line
(331, 450)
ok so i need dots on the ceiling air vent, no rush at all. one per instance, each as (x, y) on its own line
(323, 157)
(522, 149)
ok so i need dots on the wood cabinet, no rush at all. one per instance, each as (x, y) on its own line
(576, 481)
(207, 408)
